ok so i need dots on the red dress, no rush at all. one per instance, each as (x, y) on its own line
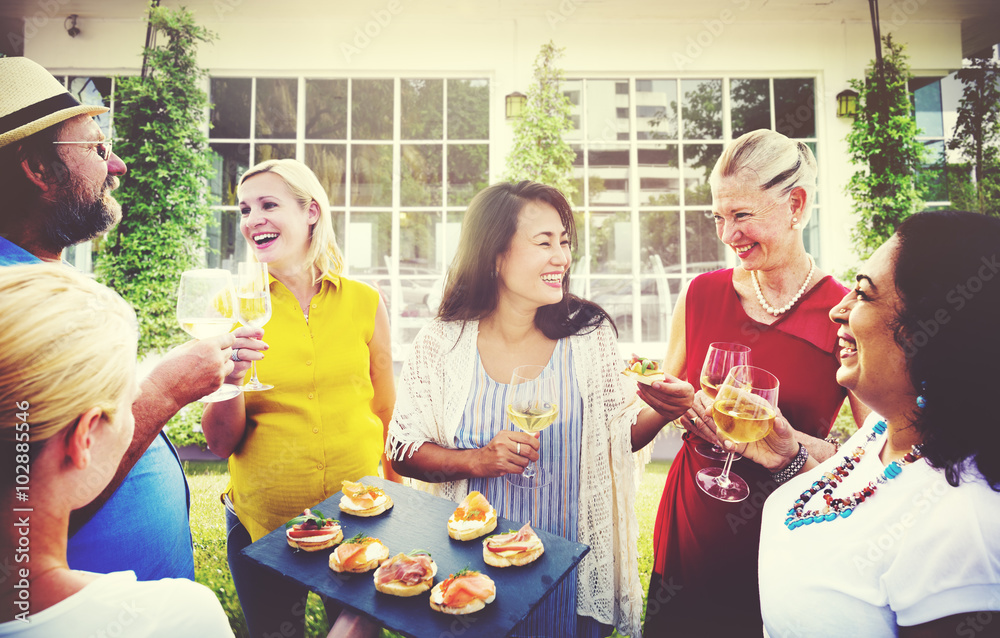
(704, 580)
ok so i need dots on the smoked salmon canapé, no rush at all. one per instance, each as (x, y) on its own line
(358, 554)
(363, 500)
(406, 574)
(463, 593)
(513, 548)
(473, 518)
(311, 531)
(643, 370)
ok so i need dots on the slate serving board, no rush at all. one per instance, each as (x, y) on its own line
(418, 520)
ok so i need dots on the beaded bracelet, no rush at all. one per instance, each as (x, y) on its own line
(835, 442)
(792, 468)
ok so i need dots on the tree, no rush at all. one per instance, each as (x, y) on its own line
(977, 130)
(886, 189)
(539, 152)
(164, 196)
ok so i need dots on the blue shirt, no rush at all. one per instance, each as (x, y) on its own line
(144, 526)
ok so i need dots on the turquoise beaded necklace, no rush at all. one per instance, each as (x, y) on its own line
(798, 515)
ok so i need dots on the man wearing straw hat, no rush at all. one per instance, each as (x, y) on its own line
(57, 173)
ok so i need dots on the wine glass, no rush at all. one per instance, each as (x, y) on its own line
(721, 358)
(205, 308)
(253, 292)
(744, 412)
(531, 406)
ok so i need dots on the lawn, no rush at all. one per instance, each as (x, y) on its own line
(208, 480)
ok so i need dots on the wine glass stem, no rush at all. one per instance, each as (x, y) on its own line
(723, 480)
(530, 470)
(253, 373)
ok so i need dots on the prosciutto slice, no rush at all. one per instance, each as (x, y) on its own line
(408, 570)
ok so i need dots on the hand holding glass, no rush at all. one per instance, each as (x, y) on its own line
(254, 310)
(719, 360)
(205, 308)
(532, 407)
(744, 412)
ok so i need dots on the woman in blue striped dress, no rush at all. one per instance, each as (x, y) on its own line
(507, 304)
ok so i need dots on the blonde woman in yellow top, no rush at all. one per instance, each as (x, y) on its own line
(328, 356)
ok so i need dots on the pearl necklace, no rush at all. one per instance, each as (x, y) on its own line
(798, 515)
(778, 311)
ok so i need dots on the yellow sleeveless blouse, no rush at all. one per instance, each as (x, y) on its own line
(316, 427)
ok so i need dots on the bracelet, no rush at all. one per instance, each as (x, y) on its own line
(792, 468)
(835, 442)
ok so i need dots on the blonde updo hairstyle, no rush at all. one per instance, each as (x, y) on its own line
(773, 162)
(69, 344)
(324, 253)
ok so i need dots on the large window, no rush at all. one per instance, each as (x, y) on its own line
(399, 157)
(645, 148)
(927, 108)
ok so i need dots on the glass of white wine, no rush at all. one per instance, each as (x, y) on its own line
(719, 360)
(253, 292)
(206, 308)
(532, 407)
(744, 412)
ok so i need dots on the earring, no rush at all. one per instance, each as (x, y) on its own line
(494, 274)
(921, 401)
(795, 223)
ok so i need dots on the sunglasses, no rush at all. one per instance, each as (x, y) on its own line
(102, 147)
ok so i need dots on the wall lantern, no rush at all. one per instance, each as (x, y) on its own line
(847, 103)
(515, 104)
(70, 25)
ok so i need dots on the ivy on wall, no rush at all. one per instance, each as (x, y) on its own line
(883, 143)
(164, 196)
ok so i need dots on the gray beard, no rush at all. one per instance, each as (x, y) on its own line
(75, 219)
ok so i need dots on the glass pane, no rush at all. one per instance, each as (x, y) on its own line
(702, 109)
(264, 152)
(608, 175)
(604, 98)
(230, 162)
(371, 109)
(927, 102)
(659, 241)
(795, 107)
(468, 109)
(95, 91)
(577, 176)
(699, 160)
(750, 102)
(418, 242)
(339, 217)
(610, 242)
(420, 179)
(452, 231)
(230, 107)
(326, 109)
(573, 90)
(659, 177)
(421, 114)
(704, 250)
(657, 298)
(329, 162)
(226, 244)
(371, 175)
(368, 241)
(468, 172)
(277, 100)
(932, 173)
(656, 109)
(615, 296)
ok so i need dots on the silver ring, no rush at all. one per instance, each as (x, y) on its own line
(236, 355)
(518, 449)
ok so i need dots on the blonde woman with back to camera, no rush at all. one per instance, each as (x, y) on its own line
(67, 384)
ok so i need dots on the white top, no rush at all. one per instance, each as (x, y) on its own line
(917, 550)
(117, 605)
(433, 391)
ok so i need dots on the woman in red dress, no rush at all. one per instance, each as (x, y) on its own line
(704, 580)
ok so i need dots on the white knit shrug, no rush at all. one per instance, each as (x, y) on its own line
(433, 391)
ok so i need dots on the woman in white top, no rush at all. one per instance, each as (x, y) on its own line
(67, 384)
(899, 532)
(507, 304)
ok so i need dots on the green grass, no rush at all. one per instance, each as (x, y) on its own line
(208, 480)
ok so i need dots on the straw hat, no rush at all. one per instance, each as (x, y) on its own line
(32, 100)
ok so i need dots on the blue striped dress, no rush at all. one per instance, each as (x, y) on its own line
(552, 508)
